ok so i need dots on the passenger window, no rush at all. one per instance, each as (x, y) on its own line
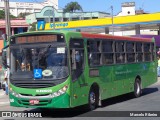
(107, 46)
(119, 46)
(120, 55)
(93, 46)
(108, 58)
(94, 54)
(138, 47)
(152, 51)
(107, 52)
(147, 52)
(130, 46)
(130, 50)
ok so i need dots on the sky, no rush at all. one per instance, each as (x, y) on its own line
(149, 6)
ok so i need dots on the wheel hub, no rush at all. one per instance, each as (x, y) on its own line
(92, 98)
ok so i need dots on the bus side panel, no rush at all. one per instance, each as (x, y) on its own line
(149, 74)
(146, 71)
(119, 74)
(106, 82)
(133, 70)
(112, 80)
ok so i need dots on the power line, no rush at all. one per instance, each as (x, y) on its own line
(143, 4)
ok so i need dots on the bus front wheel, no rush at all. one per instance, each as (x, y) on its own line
(93, 99)
(137, 88)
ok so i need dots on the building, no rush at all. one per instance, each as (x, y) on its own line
(128, 8)
(17, 26)
(129, 22)
(28, 7)
(47, 14)
(20, 25)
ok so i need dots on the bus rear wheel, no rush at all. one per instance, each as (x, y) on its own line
(137, 88)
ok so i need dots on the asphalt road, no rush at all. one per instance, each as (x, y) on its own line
(121, 106)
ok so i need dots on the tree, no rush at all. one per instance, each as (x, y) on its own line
(72, 7)
(23, 15)
(2, 15)
(33, 26)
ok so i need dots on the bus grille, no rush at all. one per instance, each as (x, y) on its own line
(32, 84)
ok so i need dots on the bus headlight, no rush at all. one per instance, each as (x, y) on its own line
(59, 92)
(14, 93)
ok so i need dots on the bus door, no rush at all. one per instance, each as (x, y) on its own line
(79, 82)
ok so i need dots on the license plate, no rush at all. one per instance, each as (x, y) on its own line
(33, 102)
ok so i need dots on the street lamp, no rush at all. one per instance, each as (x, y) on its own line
(8, 32)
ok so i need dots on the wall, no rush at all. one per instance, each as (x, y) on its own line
(21, 7)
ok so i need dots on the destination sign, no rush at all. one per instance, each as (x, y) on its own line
(35, 39)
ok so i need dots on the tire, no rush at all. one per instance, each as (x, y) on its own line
(92, 99)
(137, 88)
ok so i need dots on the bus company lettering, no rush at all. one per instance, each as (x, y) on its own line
(122, 72)
(40, 91)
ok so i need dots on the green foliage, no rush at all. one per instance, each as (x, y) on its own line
(2, 15)
(33, 27)
(72, 7)
(12, 16)
(22, 15)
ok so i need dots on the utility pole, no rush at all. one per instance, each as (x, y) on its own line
(7, 18)
(8, 32)
(53, 19)
(112, 20)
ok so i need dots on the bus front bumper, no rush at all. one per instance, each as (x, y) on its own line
(62, 101)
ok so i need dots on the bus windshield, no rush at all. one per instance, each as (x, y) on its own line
(52, 60)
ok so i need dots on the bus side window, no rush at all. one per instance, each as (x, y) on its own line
(94, 50)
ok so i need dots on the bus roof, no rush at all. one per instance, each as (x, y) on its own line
(91, 35)
(106, 36)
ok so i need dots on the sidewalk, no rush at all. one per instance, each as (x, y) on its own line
(4, 99)
(2, 92)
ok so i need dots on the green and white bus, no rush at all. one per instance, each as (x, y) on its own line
(64, 69)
